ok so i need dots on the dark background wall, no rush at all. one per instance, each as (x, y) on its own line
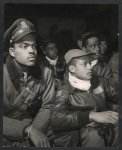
(66, 22)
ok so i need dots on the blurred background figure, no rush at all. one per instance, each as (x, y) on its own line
(81, 37)
(103, 48)
(114, 65)
(114, 60)
(53, 60)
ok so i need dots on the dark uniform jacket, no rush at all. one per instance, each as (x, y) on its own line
(114, 65)
(26, 102)
(73, 106)
(101, 69)
(57, 70)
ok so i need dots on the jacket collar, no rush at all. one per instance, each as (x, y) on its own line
(70, 88)
(14, 72)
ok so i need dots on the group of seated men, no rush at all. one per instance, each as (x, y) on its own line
(44, 109)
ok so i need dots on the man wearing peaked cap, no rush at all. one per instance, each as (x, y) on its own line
(17, 30)
(28, 89)
(80, 109)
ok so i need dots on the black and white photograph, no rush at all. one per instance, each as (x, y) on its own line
(61, 75)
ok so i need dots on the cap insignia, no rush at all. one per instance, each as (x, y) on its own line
(20, 31)
(24, 24)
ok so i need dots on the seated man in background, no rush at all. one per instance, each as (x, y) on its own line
(28, 89)
(53, 60)
(104, 48)
(80, 117)
(90, 43)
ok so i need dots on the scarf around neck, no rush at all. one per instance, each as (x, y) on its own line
(52, 62)
(83, 85)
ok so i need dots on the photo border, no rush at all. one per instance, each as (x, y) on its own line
(3, 2)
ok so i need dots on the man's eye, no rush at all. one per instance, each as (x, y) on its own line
(23, 46)
(82, 65)
(93, 46)
(34, 46)
(49, 49)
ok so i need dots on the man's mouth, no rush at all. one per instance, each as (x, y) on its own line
(89, 73)
(32, 58)
(55, 56)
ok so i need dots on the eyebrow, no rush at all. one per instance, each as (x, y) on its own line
(28, 43)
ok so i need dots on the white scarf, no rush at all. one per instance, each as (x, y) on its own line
(52, 62)
(83, 85)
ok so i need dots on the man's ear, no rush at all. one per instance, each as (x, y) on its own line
(11, 51)
(79, 42)
(72, 69)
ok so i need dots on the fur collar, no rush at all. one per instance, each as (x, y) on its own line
(15, 73)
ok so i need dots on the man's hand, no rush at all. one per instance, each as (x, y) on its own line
(37, 137)
(104, 117)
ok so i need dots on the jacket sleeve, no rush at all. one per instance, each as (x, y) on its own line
(13, 128)
(42, 119)
(103, 70)
(64, 117)
(111, 91)
(114, 65)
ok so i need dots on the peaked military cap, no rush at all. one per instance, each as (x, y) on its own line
(18, 30)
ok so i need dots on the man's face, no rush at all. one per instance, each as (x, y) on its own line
(82, 69)
(103, 47)
(93, 45)
(51, 51)
(25, 53)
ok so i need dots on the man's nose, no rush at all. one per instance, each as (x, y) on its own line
(31, 49)
(55, 51)
(97, 48)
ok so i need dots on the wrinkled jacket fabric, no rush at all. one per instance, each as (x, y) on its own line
(114, 65)
(57, 70)
(27, 102)
(73, 106)
(101, 69)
